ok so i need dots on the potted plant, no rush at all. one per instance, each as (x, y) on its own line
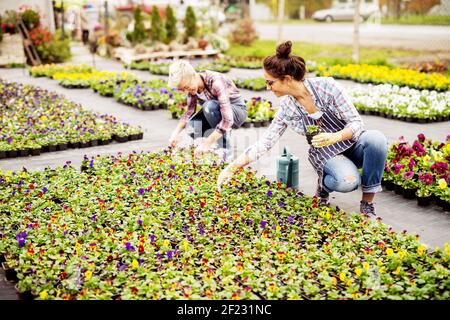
(423, 193)
(409, 185)
(311, 131)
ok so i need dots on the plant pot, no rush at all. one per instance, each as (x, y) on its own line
(398, 189)
(35, 152)
(62, 147)
(422, 120)
(424, 201)
(93, 143)
(84, 144)
(23, 153)
(52, 148)
(11, 154)
(140, 136)
(2, 154)
(445, 205)
(26, 295)
(10, 274)
(409, 119)
(133, 137)
(147, 108)
(266, 123)
(409, 193)
(309, 137)
(246, 125)
(2, 258)
(174, 115)
(74, 145)
(388, 184)
(389, 116)
(121, 139)
(257, 124)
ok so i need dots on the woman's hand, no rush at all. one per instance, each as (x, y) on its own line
(224, 177)
(173, 139)
(202, 148)
(326, 139)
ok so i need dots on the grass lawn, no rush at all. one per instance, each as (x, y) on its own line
(329, 53)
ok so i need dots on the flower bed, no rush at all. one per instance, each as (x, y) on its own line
(420, 170)
(48, 70)
(402, 103)
(255, 84)
(35, 120)
(260, 113)
(142, 65)
(147, 95)
(382, 74)
(151, 226)
(241, 62)
(106, 86)
(213, 66)
(160, 68)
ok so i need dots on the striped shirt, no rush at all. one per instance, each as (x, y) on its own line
(220, 88)
(291, 113)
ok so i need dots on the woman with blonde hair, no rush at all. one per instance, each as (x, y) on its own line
(340, 150)
(223, 107)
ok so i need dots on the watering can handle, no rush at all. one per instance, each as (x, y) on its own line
(289, 178)
(286, 152)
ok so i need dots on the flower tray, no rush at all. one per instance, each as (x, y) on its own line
(10, 273)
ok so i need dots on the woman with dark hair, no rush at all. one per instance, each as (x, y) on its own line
(341, 148)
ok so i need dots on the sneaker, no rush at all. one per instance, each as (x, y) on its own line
(368, 210)
(324, 197)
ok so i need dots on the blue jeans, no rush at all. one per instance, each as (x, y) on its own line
(369, 153)
(211, 111)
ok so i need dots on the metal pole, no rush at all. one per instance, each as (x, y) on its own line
(356, 19)
(280, 19)
(106, 17)
(62, 20)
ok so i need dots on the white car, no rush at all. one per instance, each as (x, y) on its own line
(344, 12)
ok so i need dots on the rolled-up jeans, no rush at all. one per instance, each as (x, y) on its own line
(369, 153)
(212, 117)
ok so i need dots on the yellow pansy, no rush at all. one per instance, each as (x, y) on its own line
(447, 248)
(88, 274)
(442, 183)
(134, 264)
(43, 295)
(342, 276)
(278, 228)
(334, 281)
(358, 271)
(24, 174)
(380, 262)
(421, 250)
(166, 243)
(389, 252)
(382, 269)
(185, 245)
(366, 265)
(397, 271)
(401, 254)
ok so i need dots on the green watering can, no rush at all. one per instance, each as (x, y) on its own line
(287, 169)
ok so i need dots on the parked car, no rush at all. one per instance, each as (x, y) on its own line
(344, 12)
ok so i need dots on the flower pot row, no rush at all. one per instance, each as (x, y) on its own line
(411, 194)
(143, 106)
(256, 124)
(71, 145)
(404, 118)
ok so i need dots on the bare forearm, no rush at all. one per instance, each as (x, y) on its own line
(346, 134)
(213, 137)
(240, 162)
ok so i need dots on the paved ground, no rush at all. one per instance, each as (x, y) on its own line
(431, 223)
(427, 38)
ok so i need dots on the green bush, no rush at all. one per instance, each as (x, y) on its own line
(171, 25)
(56, 50)
(190, 22)
(138, 34)
(30, 18)
(157, 30)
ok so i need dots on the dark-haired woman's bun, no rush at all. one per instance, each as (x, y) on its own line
(284, 50)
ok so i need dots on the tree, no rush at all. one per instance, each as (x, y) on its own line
(190, 22)
(138, 34)
(157, 30)
(171, 25)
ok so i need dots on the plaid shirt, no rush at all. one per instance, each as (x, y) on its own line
(220, 88)
(288, 115)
